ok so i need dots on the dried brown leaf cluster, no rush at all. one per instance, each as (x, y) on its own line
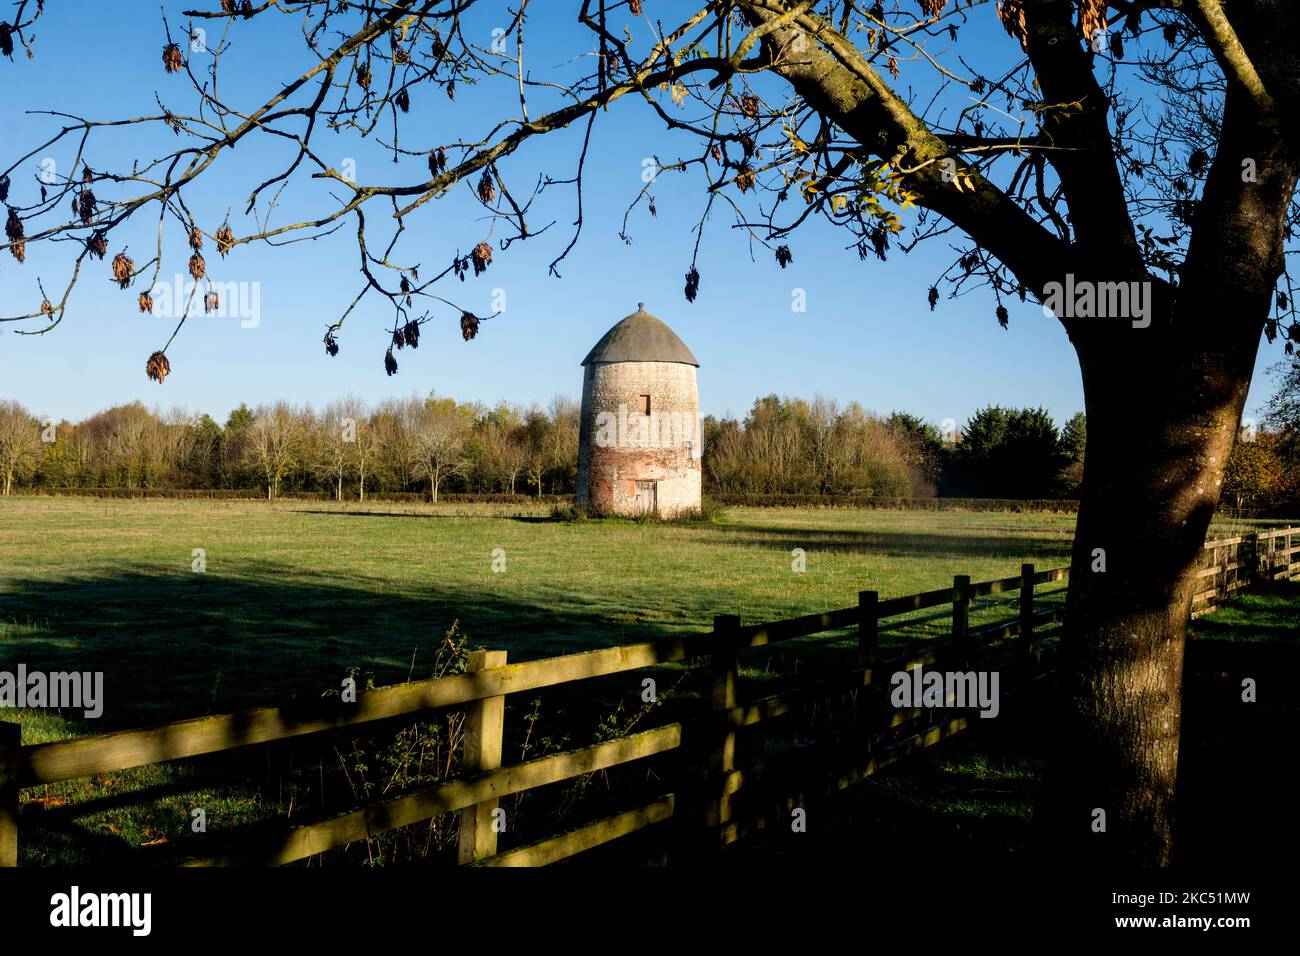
(225, 239)
(1092, 17)
(172, 60)
(123, 269)
(1012, 15)
(158, 368)
(437, 161)
(84, 205)
(14, 233)
(469, 325)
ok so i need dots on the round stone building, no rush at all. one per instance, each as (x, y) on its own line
(639, 440)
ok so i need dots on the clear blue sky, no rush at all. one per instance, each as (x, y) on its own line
(867, 335)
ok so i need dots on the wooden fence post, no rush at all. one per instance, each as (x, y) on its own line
(484, 729)
(868, 630)
(961, 614)
(723, 697)
(11, 736)
(1026, 610)
(1290, 556)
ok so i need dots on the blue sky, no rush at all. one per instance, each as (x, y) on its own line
(867, 335)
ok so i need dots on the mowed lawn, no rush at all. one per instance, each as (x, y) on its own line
(294, 594)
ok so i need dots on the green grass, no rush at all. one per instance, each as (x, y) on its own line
(1259, 617)
(298, 594)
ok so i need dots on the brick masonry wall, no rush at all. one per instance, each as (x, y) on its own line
(608, 476)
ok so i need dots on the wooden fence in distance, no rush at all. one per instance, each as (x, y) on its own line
(1233, 564)
(893, 733)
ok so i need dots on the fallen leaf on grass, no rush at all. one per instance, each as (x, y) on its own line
(47, 802)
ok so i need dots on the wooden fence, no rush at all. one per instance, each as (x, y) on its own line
(1233, 564)
(701, 805)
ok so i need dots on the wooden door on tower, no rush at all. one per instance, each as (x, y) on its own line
(647, 496)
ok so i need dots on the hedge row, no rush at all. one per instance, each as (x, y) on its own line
(1062, 506)
(1052, 505)
(257, 494)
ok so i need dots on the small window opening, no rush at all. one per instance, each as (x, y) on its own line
(645, 404)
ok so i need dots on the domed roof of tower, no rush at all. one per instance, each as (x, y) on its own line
(640, 338)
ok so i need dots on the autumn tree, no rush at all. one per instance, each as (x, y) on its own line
(437, 431)
(1255, 471)
(275, 444)
(335, 443)
(20, 444)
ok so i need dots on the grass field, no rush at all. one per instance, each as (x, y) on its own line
(297, 594)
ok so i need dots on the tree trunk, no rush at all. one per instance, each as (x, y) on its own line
(1164, 405)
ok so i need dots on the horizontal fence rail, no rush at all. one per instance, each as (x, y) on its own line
(1229, 565)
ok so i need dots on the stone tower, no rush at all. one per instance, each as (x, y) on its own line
(639, 444)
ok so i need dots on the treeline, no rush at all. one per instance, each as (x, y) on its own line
(346, 449)
(434, 445)
(794, 447)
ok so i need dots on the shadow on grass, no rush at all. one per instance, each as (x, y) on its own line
(399, 514)
(900, 543)
(181, 645)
